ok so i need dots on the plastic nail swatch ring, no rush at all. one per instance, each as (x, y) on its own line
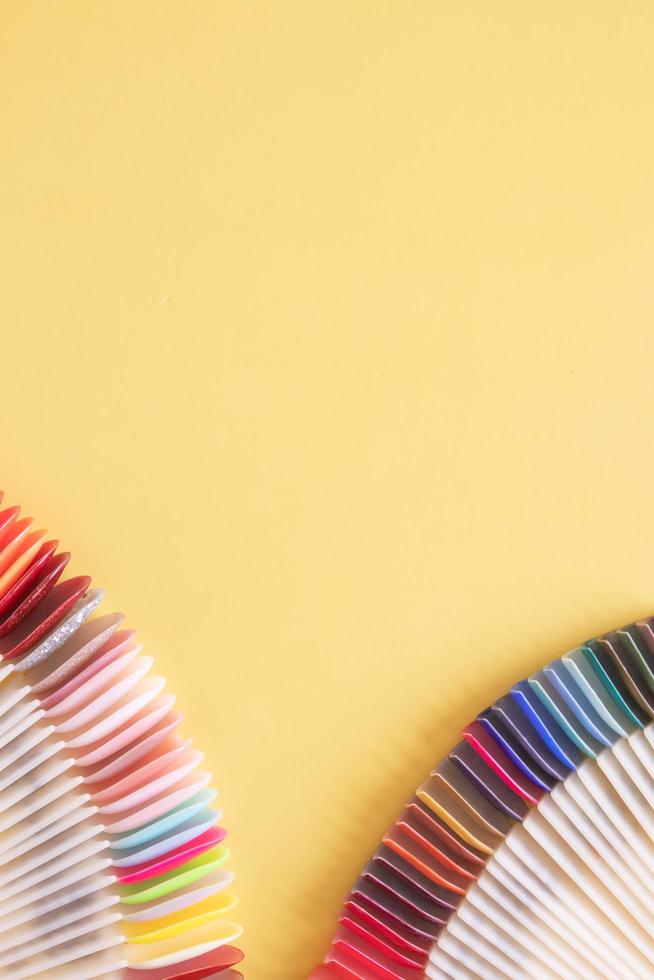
(112, 860)
(529, 851)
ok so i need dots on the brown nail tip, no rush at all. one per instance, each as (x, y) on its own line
(373, 895)
(403, 891)
(424, 862)
(412, 828)
(425, 816)
(469, 797)
(489, 785)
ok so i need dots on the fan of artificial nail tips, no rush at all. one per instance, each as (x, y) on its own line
(529, 850)
(112, 862)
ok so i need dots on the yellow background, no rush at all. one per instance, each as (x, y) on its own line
(328, 347)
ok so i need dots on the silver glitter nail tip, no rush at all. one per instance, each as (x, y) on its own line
(79, 613)
(75, 653)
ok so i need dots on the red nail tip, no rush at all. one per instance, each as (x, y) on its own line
(44, 617)
(192, 969)
(50, 573)
(175, 858)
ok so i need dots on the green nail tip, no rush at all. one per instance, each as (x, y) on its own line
(637, 654)
(172, 881)
(610, 686)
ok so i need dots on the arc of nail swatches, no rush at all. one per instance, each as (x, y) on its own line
(529, 850)
(112, 856)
